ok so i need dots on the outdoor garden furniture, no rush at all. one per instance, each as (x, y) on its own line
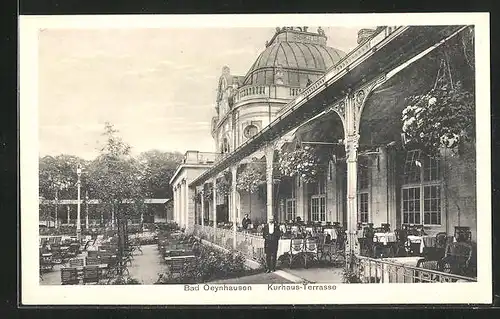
(115, 271)
(46, 261)
(176, 266)
(383, 244)
(310, 251)
(69, 276)
(457, 258)
(401, 246)
(463, 234)
(91, 274)
(296, 250)
(92, 261)
(75, 262)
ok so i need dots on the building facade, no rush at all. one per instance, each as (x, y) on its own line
(301, 94)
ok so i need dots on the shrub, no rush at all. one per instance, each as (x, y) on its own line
(209, 265)
(123, 280)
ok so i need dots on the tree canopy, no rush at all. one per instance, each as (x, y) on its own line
(113, 176)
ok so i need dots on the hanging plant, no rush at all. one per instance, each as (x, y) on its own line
(208, 192)
(251, 178)
(303, 162)
(440, 118)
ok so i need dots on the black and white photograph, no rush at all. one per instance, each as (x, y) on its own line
(238, 160)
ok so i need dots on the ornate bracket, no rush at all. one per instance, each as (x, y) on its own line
(360, 96)
(339, 108)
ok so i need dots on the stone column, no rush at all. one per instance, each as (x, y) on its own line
(269, 180)
(184, 203)
(233, 201)
(202, 194)
(214, 202)
(352, 209)
(174, 195)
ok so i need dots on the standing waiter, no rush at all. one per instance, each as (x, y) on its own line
(271, 235)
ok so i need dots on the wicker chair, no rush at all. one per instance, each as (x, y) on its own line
(310, 251)
(296, 250)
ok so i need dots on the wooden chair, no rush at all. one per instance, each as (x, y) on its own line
(310, 250)
(92, 261)
(296, 250)
(69, 276)
(328, 248)
(76, 262)
(176, 266)
(91, 274)
(401, 247)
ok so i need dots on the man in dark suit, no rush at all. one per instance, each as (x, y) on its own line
(245, 222)
(272, 234)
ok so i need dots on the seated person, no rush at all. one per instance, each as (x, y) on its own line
(245, 222)
(328, 238)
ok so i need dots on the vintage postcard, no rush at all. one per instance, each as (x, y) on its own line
(255, 159)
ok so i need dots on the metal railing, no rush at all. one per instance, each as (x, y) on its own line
(370, 270)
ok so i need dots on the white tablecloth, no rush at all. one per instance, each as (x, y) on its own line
(283, 247)
(331, 231)
(384, 238)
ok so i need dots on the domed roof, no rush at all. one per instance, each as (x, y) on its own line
(300, 56)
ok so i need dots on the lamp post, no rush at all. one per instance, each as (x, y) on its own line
(87, 209)
(78, 224)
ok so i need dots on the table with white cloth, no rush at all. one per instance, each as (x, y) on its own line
(417, 240)
(330, 231)
(384, 238)
(283, 247)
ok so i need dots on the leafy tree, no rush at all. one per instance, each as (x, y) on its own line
(57, 180)
(159, 167)
(115, 178)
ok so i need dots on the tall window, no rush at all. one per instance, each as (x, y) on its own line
(318, 201)
(290, 209)
(363, 207)
(421, 190)
(363, 190)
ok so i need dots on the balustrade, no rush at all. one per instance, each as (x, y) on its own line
(250, 245)
(370, 270)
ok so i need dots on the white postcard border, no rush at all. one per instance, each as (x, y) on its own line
(33, 293)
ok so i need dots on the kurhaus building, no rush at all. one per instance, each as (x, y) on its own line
(304, 103)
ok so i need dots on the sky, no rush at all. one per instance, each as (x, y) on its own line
(156, 86)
